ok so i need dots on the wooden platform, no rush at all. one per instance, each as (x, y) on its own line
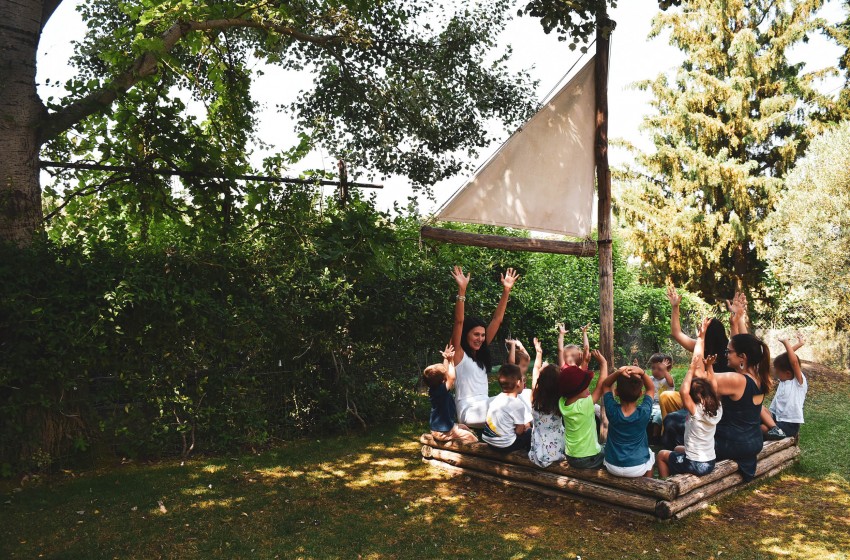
(672, 498)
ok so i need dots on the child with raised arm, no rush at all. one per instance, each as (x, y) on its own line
(508, 426)
(572, 354)
(440, 378)
(547, 437)
(699, 395)
(661, 366)
(786, 408)
(577, 408)
(627, 452)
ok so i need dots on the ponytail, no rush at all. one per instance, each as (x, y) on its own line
(758, 357)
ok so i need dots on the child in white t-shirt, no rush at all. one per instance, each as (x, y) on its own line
(508, 426)
(699, 395)
(786, 409)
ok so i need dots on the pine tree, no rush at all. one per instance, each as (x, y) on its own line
(728, 128)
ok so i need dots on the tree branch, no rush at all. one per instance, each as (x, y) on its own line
(146, 65)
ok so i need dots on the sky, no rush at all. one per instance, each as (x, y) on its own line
(633, 58)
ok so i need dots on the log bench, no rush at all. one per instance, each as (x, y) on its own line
(671, 498)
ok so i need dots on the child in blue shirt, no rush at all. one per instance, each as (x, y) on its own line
(440, 378)
(627, 452)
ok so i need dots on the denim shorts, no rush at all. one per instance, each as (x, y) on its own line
(791, 429)
(680, 464)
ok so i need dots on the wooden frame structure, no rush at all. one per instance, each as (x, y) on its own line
(671, 498)
(603, 182)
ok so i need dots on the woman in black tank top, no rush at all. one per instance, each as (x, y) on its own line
(741, 392)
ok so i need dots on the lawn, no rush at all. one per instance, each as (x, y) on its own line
(370, 496)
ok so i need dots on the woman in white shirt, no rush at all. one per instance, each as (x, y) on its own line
(470, 337)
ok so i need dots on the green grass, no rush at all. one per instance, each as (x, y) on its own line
(370, 496)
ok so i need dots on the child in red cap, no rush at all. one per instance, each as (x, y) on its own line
(577, 408)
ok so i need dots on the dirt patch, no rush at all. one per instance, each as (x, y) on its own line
(821, 373)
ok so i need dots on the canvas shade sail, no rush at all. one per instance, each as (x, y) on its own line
(542, 178)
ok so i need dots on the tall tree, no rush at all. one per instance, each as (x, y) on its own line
(394, 92)
(810, 230)
(727, 129)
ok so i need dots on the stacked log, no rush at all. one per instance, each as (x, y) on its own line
(672, 498)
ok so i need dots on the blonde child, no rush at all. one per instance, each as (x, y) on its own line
(627, 452)
(786, 408)
(440, 378)
(699, 395)
(572, 354)
(578, 411)
(547, 437)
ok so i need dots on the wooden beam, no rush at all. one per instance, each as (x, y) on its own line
(661, 489)
(547, 479)
(580, 249)
(603, 185)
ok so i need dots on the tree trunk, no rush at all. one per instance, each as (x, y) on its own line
(603, 185)
(21, 111)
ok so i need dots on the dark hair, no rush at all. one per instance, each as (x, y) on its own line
(482, 357)
(703, 393)
(509, 374)
(715, 344)
(434, 375)
(659, 359)
(629, 388)
(545, 394)
(757, 354)
(782, 362)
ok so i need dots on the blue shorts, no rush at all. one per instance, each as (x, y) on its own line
(791, 429)
(680, 464)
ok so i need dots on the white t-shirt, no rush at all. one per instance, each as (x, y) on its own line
(787, 404)
(471, 381)
(699, 434)
(525, 397)
(503, 415)
(661, 385)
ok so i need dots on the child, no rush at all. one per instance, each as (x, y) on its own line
(627, 451)
(440, 378)
(660, 365)
(577, 408)
(508, 425)
(517, 354)
(699, 395)
(571, 354)
(786, 409)
(547, 437)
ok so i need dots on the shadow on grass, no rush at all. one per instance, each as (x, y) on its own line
(372, 497)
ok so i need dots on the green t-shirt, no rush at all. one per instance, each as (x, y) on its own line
(580, 428)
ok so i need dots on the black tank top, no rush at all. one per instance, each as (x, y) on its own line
(741, 419)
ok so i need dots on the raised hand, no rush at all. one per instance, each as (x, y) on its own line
(667, 363)
(561, 328)
(449, 352)
(783, 338)
(703, 327)
(673, 296)
(462, 281)
(709, 361)
(537, 346)
(509, 278)
(511, 342)
(584, 329)
(801, 339)
(599, 357)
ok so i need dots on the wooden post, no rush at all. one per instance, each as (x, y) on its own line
(603, 184)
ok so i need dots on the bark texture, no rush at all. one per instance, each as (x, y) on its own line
(21, 111)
